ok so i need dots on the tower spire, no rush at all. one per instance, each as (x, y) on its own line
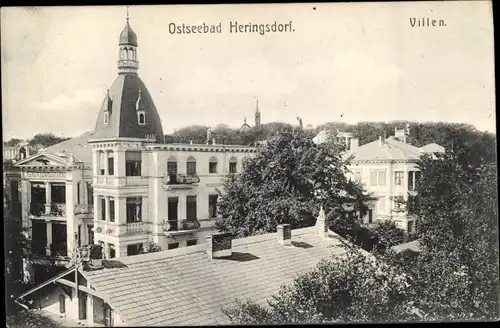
(257, 114)
(128, 62)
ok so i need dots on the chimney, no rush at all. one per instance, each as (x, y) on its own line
(354, 143)
(284, 234)
(381, 139)
(322, 224)
(190, 142)
(213, 141)
(219, 245)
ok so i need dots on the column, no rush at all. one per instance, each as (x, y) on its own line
(119, 160)
(95, 162)
(48, 225)
(25, 203)
(48, 197)
(97, 207)
(405, 183)
(107, 208)
(120, 250)
(182, 210)
(106, 250)
(70, 216)
(90, 309)
(106, 166)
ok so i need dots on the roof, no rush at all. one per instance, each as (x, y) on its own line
(123, 119)
(77, 147)
(127, 36)
(184, 287)
(391, 149)
(432, 148)
(412, 245)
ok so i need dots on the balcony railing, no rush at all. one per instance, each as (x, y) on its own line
(181, 225)
(57, 209)
(135, 227)
(180, 179)
(84, 209)
(37, 209)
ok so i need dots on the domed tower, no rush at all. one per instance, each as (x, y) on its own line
(128, 110)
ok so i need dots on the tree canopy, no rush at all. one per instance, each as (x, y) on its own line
(287, 181)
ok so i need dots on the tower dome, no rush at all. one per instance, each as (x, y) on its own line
(127, 36)
(128, 110)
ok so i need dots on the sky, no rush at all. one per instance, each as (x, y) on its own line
(346, 62)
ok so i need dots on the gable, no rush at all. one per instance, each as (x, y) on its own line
(44, 159)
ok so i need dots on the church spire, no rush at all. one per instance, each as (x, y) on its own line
(128, 62)
(257, 114)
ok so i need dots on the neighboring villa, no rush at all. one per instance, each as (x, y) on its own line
(387, 168)
(185, 286)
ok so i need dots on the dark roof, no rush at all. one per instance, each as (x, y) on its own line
(77, 147)
(127, 36)
(185, 287)
(123, 121)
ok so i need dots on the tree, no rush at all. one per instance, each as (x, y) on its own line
(46, 140)
(387, 234)
(286, 182)
(456, 273)
(350, 288)
(12, 142)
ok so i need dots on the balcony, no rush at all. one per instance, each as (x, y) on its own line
(135, 227)
(179, 181)
(38, 209)
(57, 209)
(176, 227)
(84, 209)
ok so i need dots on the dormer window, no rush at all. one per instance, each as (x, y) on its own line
(141, 117)
(106, 118)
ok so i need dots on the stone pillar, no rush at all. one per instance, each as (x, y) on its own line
(106, 166)
(48, 197)
(90, 309)
(182, 209)
(106, 250)
(107, 208)
(48, 225)
(322, 223)
(284, 234)
(97, 207)
(70, 216)
(25, 203)
(119, 160)
(120, 210)
(95, 162)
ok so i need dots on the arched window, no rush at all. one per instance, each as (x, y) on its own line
(102, 160)
(212, 165)
(232, 165)
(111, 163)
(191, 166)
(172, 165)
(141, 118)
(130, 53)
(22, 153)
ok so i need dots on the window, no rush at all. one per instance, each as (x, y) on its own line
(172, 245)
(78, 184)
(133, 160)
(370, 216)
(191, 242)
(191, 207)
(141, 118)
(112, 210)
(172, 213)
(191, 166)
(103, 209)
(14, 191)
(102, 162)
(112, 252)
(172, 166)
(398, 178)
(90, 230)
(232, 165)
(134, 209)
(411, 225)
(106, 117)
(111, 164)
(212, 205)
(212, 165)
(413, 178)
(377, 177)
(134, 249)
(90, 194)
(357, 176)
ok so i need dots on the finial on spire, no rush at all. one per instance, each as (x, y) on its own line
(245, 120)
(127, 14)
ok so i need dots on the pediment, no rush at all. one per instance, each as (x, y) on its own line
(43, 159)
